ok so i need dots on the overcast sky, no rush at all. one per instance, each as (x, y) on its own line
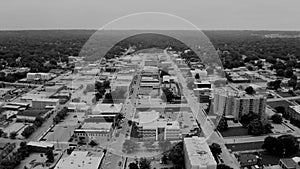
(205, 14)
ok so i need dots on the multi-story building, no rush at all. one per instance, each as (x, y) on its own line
(151, 127)
(197, 154)
(97, 131)
(237, 103)
(39, 76)
(43, 103)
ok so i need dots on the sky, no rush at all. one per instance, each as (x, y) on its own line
(204, 14)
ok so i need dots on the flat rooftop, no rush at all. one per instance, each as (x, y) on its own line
(107, 108)
(80, 160)
(198, 152)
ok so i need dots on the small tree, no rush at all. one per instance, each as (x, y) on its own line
(197, 76)
(93, 143)
(249, 90)
(223, 125)
(277, 118)
(56, 120)
(13, 135)
(145, 163)
(1, 132)
(164, 159)
(50, 156)
(255, 127)
(223, 166)
(133, 165)
(216, 150)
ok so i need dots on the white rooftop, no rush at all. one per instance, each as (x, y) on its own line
(198, 152)
(107, 108)
(296, 108)
(79, 160)
(90, 125)
(40, 144)
(148, 117)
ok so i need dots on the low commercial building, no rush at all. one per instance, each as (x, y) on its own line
(80, 160)
(107, 109)
(40, 146)
(248, 160)
(39, 76)
(54, 89)
(197, 154)
(31, 114)
(289, 163)
(97, 131)
(44, 103)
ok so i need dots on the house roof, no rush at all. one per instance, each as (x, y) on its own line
(289, 163)
(33, 112)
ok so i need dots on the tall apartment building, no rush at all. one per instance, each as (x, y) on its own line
(237, 103)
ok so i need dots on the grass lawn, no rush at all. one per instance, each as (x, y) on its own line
(283, 103)
(245, 146)
(284, 94)
(268, 158)
(235, 131)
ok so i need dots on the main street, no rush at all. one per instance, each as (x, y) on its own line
(114, 153)
(207, 126)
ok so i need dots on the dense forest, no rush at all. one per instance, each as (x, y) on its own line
(35, 48)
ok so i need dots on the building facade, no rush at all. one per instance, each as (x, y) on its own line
(238, 104)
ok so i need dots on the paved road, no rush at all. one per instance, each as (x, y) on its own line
(283, 98)
(199, 113)
(115, 156)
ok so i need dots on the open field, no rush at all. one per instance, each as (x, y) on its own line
(245, 146)
(235, 131)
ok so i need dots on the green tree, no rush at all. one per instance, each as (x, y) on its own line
(13, 135)
(197, 76)
(277, 118)
(280, 72)
(50, 156)
(176, 155)
(164, 159)
(145, 163)
(1, 132)
(56, 120)
(93, 143)
(27, 131)
(38, 121)
(289, 72)
(293, 81)
(223, 125)
(133, 165)
(223, 166)
(283, 146)
(256, 127)
(249, 90)
(216, 150)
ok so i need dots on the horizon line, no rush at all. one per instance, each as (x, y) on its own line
(92, 29)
